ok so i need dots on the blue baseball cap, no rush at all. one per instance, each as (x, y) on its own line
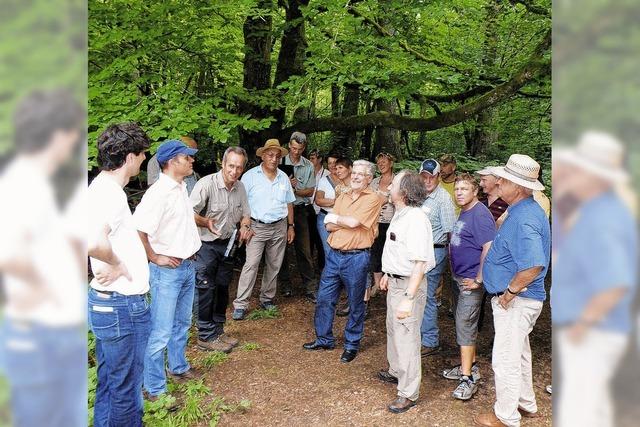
(169, 149)
(430, 166)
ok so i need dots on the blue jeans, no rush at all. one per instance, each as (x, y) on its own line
(121, 326)
(429, 328)
(324, 234)
(46, 368)
(350, 269)
(171, 304)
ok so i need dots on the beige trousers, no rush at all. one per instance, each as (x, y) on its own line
(587, 402)
(511, 358)
(270, 239)
(403, 338)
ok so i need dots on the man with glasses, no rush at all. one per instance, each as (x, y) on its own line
(271, 203)
(303, 183)
(352, 225)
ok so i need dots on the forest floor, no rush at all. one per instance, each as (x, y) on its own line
(289, 386)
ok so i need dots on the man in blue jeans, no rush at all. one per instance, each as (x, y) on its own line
(119, 314)
(352, 224)
(441, 212)
(166, 225)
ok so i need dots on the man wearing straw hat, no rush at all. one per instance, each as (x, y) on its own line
(513, 275)
(270, 200)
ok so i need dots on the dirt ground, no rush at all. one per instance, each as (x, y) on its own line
(291, 386)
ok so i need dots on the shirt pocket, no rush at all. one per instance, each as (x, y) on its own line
(281, 193)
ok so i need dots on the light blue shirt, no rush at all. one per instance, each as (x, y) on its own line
(306, 176)
(267, 199)
(441, 212)
(523, 241)
(598, 254)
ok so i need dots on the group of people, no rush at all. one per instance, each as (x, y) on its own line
(394, 232)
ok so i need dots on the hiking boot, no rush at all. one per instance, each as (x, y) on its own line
(239, 314)
(233, 342)
(466, 389)
(169, 402)
(455, 373)
(215, 345)
(429, 351)
(189, 375)
(268, 305)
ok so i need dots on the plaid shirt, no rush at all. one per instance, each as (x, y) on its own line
(439, 207)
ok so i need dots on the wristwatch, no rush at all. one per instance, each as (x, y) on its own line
(410, 297)
(477, 283)
(511, 292)
(292, 225)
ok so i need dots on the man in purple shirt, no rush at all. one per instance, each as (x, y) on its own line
(470, 241)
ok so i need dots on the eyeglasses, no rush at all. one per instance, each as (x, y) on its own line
(385, 155)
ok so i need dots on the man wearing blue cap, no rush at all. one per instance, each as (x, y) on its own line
(441, 212)
(166, 225)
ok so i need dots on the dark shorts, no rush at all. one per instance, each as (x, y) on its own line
(467, 314)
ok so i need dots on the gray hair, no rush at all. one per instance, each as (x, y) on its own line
(412, 188)
(298, 137)
(238, 150)
(369, 167)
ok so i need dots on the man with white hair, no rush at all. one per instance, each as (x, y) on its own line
(352, 225)
(592, 299)
(513, 275)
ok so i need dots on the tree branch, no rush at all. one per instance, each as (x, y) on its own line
(535, 66)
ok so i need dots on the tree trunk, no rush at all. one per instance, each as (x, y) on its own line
(350, 103)
(257, 74)
(386, 139)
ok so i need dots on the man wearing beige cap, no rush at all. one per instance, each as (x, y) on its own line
(270, 200)
(513, 275)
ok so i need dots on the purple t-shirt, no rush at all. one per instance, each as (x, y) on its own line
(473, 229)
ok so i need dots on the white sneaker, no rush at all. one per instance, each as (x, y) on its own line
(455, 373)
(466, 389)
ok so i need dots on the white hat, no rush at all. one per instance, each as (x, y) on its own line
(598, 153)
(485, 171)
(520, 169)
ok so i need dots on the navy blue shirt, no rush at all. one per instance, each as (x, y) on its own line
(598, 254)
(522, 242)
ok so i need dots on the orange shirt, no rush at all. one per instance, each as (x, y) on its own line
(365, 209)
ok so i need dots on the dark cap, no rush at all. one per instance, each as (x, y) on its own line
(430, 166)
(169, 149)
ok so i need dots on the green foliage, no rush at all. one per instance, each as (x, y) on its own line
(261, 313)
(212, 359)
(250, 346)
(176, 67)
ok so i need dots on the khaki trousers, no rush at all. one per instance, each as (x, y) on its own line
(270, 239)
(403, 338)
(511, 358)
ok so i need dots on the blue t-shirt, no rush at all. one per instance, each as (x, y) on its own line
(598, 253)
(522, 242)
(473, 229)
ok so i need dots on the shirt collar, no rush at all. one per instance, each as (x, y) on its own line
(167, 181)
(219, 180)
(522, 203)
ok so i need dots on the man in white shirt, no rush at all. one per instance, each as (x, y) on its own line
(407, 255)
(166, 225)
(119, 314)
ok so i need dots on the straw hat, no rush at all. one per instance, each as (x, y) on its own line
(272, 143)
(520, 169)
(598, 153)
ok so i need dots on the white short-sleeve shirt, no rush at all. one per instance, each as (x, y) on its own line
(329, 191)
(108, 206)
(409, 239)
(165, 214)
